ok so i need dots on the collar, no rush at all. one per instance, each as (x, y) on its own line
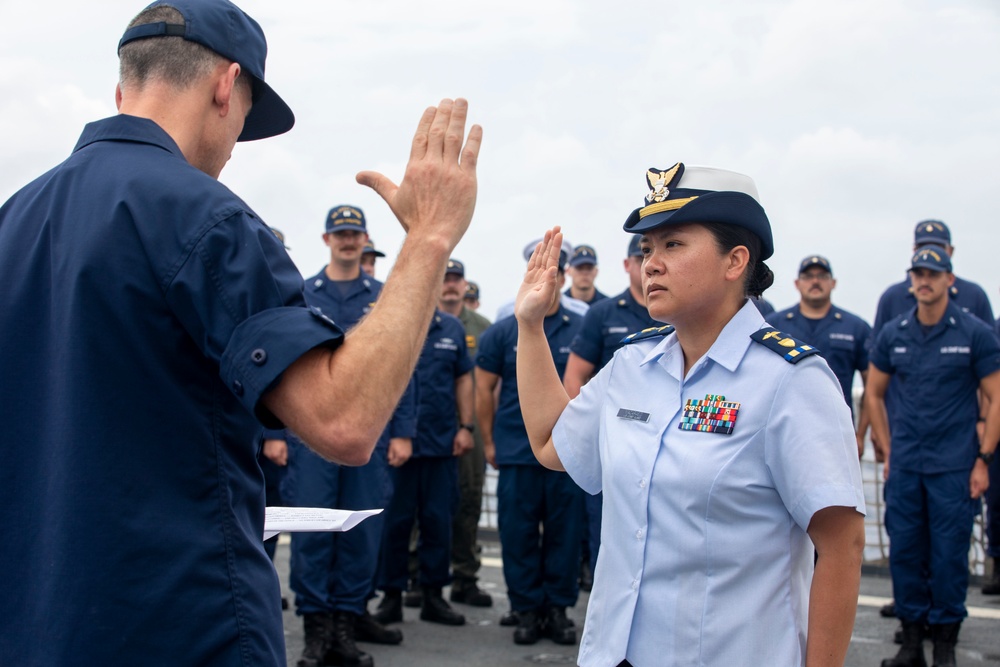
(834, 313)
(320, 279)
(128, 128)
(729, 348)
(950, 318)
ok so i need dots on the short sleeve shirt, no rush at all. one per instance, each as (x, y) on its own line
(443, 359)
(153, 310)
(498, 355)
(937, 374)
(702, 531)
(605, 326)
(840, 336)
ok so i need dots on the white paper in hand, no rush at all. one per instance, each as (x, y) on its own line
(311, 519)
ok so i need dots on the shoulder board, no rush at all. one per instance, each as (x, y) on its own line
(652, 332)
(792, 350)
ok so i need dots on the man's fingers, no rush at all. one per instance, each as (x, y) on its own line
(438, 129)
(455, 131)
(419, 146)
(470, 154)
(377, 182)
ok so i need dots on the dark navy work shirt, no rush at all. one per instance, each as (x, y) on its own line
(498, 355)
(840, 336)
(146, 311)
(605, 326)
(934, 424)
(346, 302)
(443, 359)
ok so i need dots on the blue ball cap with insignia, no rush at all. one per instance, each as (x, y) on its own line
(931, 231)
(455, 267)
(564, 253)
(369, 249)
(583, 254)
(933, 257)
(224, 28)
(345, 218)
(634, 249)
(815, 260)
(472, 291)
(694, 194)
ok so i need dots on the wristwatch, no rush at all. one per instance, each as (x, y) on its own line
(987, 458)
(471, 428)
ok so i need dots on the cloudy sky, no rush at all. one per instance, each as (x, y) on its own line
(855, 118)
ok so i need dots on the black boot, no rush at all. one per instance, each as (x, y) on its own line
(945, 637)
(414, 598)
(469, 593)
(317, 634)
(367, 629)
(436, 610)
(529, 627)
(342, 651)
(558, 627)
(390, 609)
(911, 653)
(992, 585)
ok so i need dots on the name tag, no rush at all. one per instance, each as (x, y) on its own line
(633, 415)
(617, 330)
(956, 349)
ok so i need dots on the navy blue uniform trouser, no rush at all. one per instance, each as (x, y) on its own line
(929, 520)
(993, 511)
(540, 566)
(335, 571)
(426, 489)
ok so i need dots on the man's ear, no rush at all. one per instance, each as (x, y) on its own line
(225, 85)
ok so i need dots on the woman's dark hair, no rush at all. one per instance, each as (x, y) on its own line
(757, 277)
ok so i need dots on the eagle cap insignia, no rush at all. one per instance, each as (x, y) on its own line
(660, 181)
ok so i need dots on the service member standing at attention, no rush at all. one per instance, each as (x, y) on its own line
(465, 561)
(368, 257)
(724, 448)
(603, 331)
(159, 324)
(840, 336)
(936, 464)
(472, 296)
(582, 274)
(426, 486)
(539, 511)
(333, 574)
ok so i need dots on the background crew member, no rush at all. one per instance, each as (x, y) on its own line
(465, 561)
(725, 449)
(603, 331)
(842, 337)
(472, 296)
(333, 574)
(172, 327)
(368, 257)
(582, 273)
(936, 464)
(539, 511)
(426, 486)
(567, 302)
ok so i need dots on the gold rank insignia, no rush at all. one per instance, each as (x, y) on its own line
(651, 332)
(791, 349)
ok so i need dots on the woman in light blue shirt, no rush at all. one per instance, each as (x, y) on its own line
(723, 447)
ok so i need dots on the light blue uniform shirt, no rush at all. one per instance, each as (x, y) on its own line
(705, 557)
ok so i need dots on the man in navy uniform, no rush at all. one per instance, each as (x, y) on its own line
(368, 257)
(840, 336)
(582, 273)
(936, 462)
(541, 575)
(333, 574)
(471, 298)
(604, 327)
(426, 486)
(465, 562)
(154, 324)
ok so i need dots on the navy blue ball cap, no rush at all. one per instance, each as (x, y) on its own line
(931, 231)
(456, 267)
(227, 30)
(933, 257)
(815, 260)
(694, 194)
(564, 252)
(345, 218)
(472, 291)
(634, 249)
(583, 254)
(369, 249)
